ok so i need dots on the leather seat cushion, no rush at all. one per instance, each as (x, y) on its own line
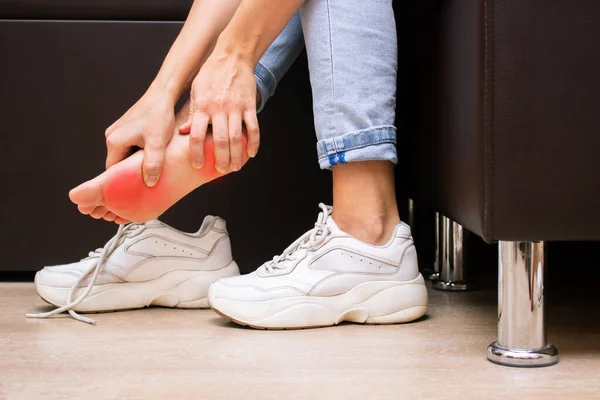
(145, 10)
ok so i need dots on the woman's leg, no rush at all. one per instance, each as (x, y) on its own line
(358, 263)
(352, 55)
(364, 200)
(278, 58)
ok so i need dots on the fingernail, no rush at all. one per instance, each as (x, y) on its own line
(151, 180)
(220, 169)
(198, 165)
(252, 153)
(235, 167)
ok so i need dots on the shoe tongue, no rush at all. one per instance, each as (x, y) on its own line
(331, 224)
(153, 223)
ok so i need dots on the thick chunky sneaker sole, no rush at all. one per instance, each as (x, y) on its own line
(177, 289)
(376, 302)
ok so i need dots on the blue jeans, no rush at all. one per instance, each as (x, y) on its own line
(352, 59)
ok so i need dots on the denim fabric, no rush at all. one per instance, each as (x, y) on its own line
(352, 56)
(278, 58)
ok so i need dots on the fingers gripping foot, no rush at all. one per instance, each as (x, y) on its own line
(120, 194)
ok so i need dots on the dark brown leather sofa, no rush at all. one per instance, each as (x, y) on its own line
(506, 137)
(498, 116)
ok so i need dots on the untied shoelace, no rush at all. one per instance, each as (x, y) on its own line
(97, 267)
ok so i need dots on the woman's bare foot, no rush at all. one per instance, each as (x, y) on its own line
(119, 193)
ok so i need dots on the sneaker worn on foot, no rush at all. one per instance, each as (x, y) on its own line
(143, 265)
(327, 277)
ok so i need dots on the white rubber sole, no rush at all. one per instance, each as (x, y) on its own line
(177, 289)
(378, 302)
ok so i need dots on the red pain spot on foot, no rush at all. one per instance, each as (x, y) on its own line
(126, 194)
(125, 191)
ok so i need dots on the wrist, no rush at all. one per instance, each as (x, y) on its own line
(164, 90)
(243, 50)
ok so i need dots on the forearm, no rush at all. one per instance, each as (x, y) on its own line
(254, 27)
(204, 24)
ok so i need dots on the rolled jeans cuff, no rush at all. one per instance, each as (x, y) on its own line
(377, 143)
(265, 84)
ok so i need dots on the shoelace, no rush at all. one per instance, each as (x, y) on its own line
(310, 240)
(97, 267)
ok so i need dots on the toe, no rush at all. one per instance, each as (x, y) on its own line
(86, 209)
(99, 212)
(110, 216)
(88, 193)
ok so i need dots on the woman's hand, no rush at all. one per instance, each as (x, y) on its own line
(148, 124)
(223, 94)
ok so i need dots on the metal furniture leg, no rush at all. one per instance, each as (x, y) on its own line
(453, 266)
(521, 320)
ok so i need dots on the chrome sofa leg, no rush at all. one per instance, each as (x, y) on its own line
(433, 274)
(521, 320)
(451, 260)
(428, 273)
(411, 213)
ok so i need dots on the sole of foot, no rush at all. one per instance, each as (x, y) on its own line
(120, 194)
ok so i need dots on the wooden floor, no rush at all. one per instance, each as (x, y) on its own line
(175, 354)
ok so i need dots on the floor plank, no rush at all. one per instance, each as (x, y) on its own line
(176, 354)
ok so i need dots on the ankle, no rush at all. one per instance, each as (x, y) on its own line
(364, 200)
(375, 229)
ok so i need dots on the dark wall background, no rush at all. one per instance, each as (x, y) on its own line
(64, 82)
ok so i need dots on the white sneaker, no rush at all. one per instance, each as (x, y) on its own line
(326, 277)
(143, 265)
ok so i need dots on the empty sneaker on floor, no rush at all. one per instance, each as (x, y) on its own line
(326, 277)
(143, 265)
